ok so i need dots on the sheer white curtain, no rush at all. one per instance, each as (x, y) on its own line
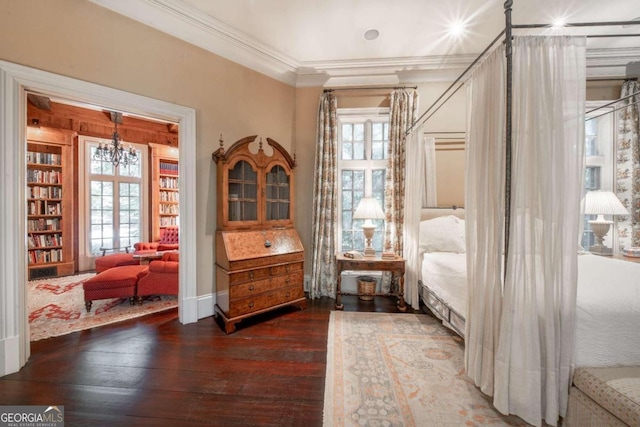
(415, 166)
(484, 213)
(533, 363)
(430, 194)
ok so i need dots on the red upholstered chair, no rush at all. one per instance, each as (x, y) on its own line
(162, 277)
(169, 241)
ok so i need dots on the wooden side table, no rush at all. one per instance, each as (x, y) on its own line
(395, 266)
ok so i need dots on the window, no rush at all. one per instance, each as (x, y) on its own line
(599, 165)
(115, 215)
(363, 139)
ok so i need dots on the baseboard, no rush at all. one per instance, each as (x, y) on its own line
(189, 310)
(9, 355)
(205, 306)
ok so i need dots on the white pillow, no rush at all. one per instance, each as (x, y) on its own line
(442, 234)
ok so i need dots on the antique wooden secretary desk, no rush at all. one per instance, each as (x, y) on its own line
(259, 255)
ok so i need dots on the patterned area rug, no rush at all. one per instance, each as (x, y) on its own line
(387, 369)
(56, 307)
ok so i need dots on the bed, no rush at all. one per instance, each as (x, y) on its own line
(443, 278)
(608, 295)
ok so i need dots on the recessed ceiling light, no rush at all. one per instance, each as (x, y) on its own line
(559, 22)
(371, 34)
(457, 29)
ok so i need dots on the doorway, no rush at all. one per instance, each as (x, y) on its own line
(17, 80)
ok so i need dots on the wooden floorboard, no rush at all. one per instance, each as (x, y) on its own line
(153, 371)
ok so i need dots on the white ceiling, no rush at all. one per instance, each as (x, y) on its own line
(321, 42)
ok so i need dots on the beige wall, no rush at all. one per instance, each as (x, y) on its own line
(450, 171)
(81, 40)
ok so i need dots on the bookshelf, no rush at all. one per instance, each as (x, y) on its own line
(49, 203)
(165, 195)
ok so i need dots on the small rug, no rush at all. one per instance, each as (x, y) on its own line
(56, 307)
(386, 369)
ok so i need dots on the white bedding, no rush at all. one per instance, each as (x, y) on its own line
(445, 273)
(608, 312)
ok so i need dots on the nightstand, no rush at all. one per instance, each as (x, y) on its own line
(395, 266)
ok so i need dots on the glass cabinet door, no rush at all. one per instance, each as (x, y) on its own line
(278, 198)
(242, 200)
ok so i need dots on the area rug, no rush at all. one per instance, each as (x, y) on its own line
(387, 369)
(56, 307)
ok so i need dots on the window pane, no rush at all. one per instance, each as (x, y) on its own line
(347, 179)
(347, 151)
(377, 150)
(378, 176)
(347, 132)
(131, 170)
(358, 151)
(358, 181)
(376, 131)
(358, 132)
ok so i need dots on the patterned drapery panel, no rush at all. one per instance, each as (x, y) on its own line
(325, 200)
(404, 106)
(628, 166)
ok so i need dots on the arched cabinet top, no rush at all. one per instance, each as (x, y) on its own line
(241, 148)
(262, 198)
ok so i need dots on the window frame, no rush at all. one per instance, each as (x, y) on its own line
(85, 256)
(604, 162)
(366, 116)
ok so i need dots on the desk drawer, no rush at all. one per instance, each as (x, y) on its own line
(264, 300)
(244, 290)
(250, 275)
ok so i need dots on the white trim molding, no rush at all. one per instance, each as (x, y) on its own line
(15, 80)
(186, 22)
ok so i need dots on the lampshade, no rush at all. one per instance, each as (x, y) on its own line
(603, 203)
(368, 208)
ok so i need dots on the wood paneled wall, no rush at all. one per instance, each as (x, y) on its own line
(98, 124)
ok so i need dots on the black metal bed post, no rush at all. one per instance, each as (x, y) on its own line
(508, 130)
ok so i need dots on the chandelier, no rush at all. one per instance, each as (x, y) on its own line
(114, 152)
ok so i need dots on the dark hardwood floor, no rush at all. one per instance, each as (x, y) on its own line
(153, 371)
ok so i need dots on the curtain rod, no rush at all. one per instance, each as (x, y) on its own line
(475, 61)
(448, 132)
(370, 88)
(613, 79)
(613, 111)
(613, 102)
(579, 24)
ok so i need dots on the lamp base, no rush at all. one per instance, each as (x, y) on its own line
(600, 229)
(369, 252)
(601, 250)
(368, 229)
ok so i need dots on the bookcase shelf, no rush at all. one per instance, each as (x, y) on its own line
(49, 203)
(165, 195)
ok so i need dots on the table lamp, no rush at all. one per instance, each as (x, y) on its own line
(368, 209)
(602, 203)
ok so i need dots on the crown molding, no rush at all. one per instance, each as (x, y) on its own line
(615, 62)
(184, 22)
(187, 23)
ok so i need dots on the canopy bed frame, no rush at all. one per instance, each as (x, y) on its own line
(554, 404)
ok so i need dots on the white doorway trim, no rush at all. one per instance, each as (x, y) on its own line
(14, 81)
